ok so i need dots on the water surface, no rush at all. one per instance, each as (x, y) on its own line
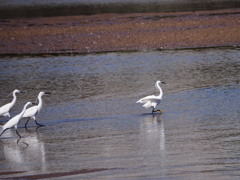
(93, 123)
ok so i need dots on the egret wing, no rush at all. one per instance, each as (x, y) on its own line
(146, 99)
(148, 104)
(31, 111)
(12, 122)
(4, 109)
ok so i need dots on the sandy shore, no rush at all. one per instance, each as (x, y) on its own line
(119, 32)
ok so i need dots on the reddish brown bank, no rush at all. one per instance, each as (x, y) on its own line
(119, 32)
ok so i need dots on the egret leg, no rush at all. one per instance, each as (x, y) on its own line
(18, 134)
(38, 123)
(157, 111)
(8, 115)
(153, 110)
(3, 131)
(26, 123)
(160, 111)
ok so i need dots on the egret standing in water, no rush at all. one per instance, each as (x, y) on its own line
(4, 110)
(15, 120)
(31, 112)
(152, 101)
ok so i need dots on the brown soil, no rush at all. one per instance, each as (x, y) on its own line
(119, 32)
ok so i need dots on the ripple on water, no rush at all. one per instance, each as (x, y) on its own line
(93, 120)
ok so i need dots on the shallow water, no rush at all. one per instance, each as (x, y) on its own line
(93, 123)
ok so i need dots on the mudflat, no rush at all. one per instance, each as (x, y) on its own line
(119, 32)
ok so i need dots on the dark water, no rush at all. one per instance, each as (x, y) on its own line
(93, 123)
(34, 8)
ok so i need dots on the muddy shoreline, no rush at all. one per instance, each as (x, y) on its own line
(119, 32)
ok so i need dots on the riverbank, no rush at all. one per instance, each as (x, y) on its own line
(119, 32)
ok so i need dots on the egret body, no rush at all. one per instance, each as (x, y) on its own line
(4, 110)
(152, 101)
(31, 112)
(15, 120)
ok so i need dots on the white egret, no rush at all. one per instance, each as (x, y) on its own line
(15, 120)
(4, 110)
(152, 101)
(31, 112)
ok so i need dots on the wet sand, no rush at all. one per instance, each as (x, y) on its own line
(119, 32)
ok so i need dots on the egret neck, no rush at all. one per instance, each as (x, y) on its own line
(160, 89)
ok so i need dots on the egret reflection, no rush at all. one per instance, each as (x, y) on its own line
(153, 136)
(18, 154)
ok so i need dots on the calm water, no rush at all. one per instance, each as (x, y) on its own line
(33, 8)
(93, 123)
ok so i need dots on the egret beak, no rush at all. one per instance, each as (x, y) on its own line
(47, 93)
(22, 92)
(164, 83)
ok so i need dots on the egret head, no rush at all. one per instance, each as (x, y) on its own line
(28, 104)
(16, 91)
(159, 82)
(42, 93)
